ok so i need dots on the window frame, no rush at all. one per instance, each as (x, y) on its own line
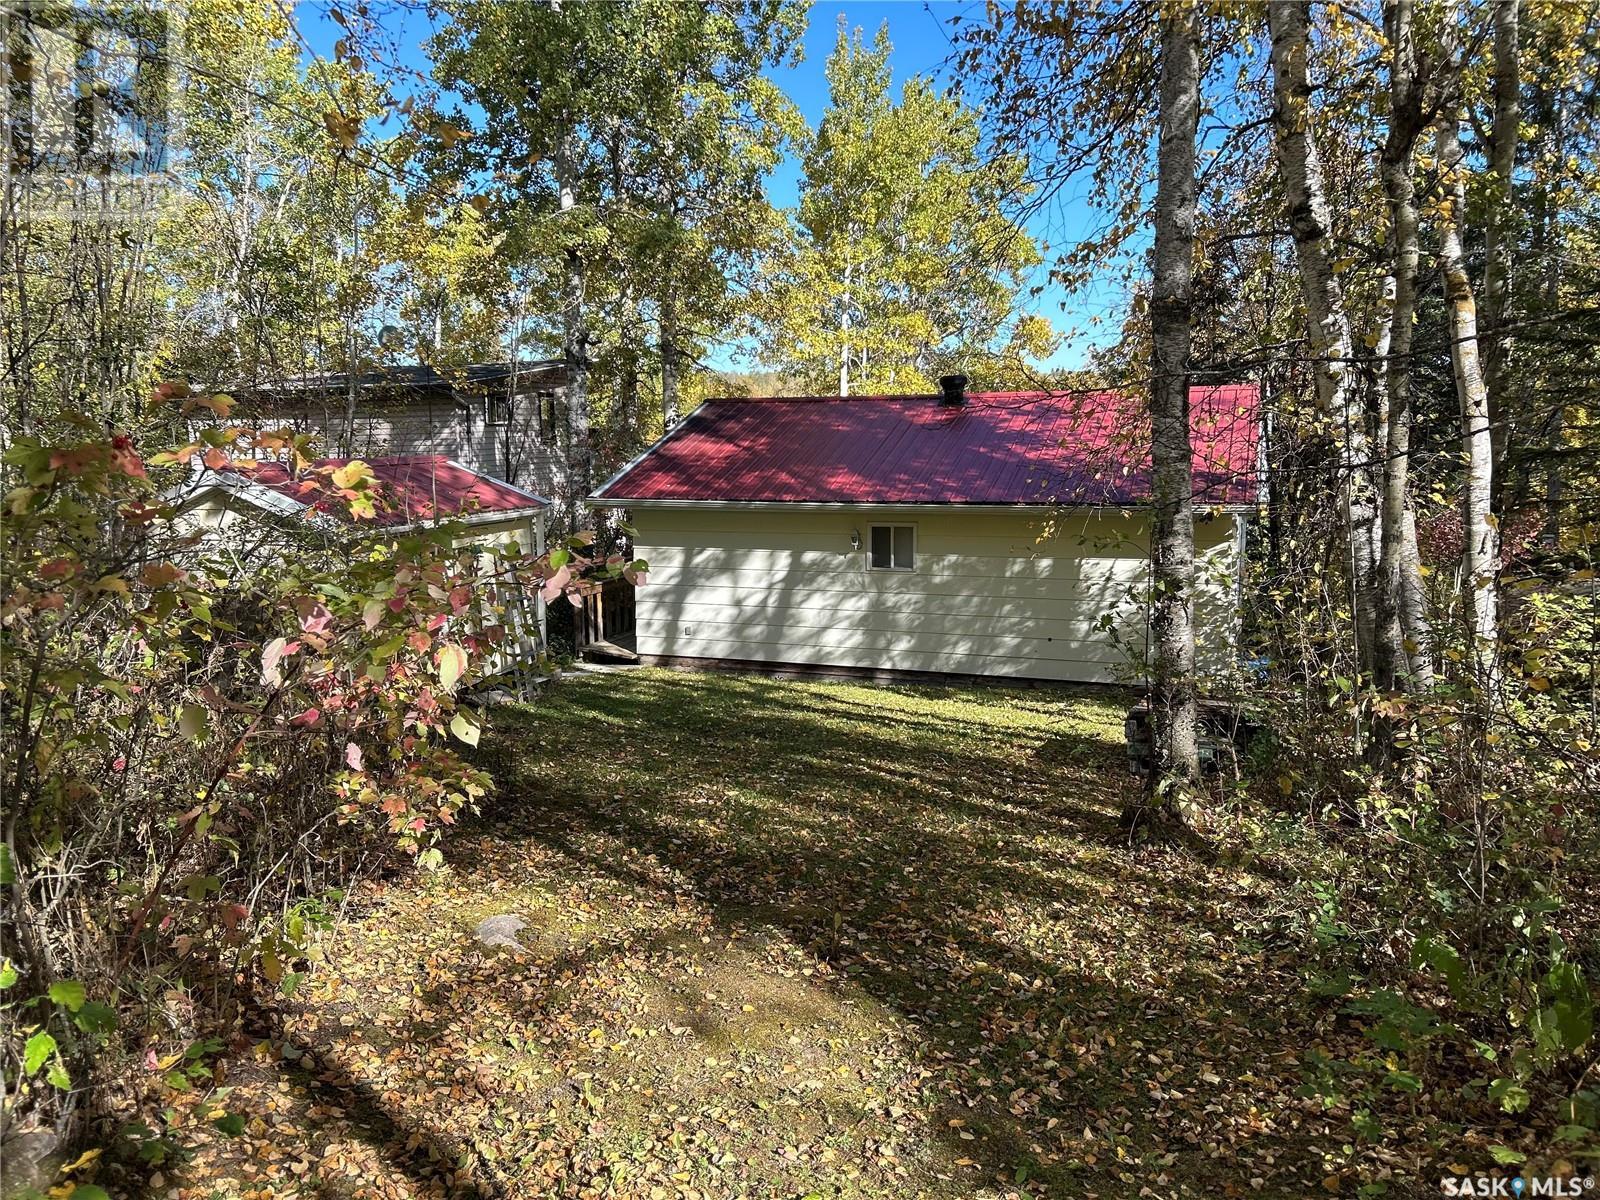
(503, 404)
(892, 526)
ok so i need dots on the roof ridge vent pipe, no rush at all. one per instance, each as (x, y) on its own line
(954, 389)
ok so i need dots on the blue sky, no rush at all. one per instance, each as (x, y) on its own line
(920, 33)
(921, 36)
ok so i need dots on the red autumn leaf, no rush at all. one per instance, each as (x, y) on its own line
(314, 617)
(275, 651)
(75, 460)
(125, 458)
(162, 574)
(306, 719)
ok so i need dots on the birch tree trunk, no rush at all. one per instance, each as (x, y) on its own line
(628, 385)
(1413, 604)
(844, 338)
(670, 365)
(574, 344)
(1480, 566)
(1176, 753)
(1300, 169)
(1498, 241)
(1395, 556)
(1547, 236)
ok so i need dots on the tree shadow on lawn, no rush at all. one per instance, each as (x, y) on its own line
(423, 1154)
(954, 874)
(424, 1157)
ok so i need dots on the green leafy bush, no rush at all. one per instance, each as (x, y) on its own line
(198, 744)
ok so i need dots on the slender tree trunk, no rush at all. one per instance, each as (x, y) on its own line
(1300, 168)
(1497, 235)
(1548, 233)
(844, 338)
(631, 335)
(1480, 566)
(1550, 531)
(18, 317)
(574, 346)
(1415, 631)
(352, 388)
(626, 418)
(1414, 605)
(1392, 660)
(670, 361)
(1176, 751)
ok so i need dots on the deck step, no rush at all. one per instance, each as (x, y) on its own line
(607, 652)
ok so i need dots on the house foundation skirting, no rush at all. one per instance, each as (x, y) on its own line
(884, 675)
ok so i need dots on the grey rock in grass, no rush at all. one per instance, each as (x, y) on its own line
(501, 930)
(31, 1157)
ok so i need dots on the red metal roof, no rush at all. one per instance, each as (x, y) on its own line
(411, 487)
(1038, 448)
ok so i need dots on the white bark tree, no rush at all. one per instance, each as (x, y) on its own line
(671, 364)
(1327, 317)
(1176, 750)
(1480, 566)
(1498, 233)
(1395, 652)
(574, 343)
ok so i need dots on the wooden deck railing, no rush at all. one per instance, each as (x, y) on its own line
(605, 619)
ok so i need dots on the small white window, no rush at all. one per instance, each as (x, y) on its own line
(892, 547)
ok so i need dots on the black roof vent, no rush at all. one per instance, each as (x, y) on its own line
(954, 388)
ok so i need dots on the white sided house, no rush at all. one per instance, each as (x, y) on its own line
(503, 420)
(1000, 535)
(249, 512)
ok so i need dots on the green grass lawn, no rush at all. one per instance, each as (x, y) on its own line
(792, 940)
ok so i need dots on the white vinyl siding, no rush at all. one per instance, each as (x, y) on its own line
(989, 594)
(511, 444)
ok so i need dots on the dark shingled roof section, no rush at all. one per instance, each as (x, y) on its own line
(405, 378)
